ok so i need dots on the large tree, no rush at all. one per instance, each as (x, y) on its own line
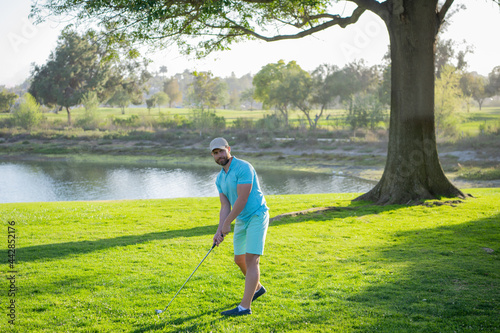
(73, 69)
(412, 170)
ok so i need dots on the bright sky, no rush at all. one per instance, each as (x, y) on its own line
(22, 43)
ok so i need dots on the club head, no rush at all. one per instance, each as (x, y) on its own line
(158, 311)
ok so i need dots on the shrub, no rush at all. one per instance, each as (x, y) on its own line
(132, 121)
(243, 124)
(206, 121)
(270, 123)
(27, 113)
(89, 120)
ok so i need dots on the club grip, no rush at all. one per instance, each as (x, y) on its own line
(214, 244)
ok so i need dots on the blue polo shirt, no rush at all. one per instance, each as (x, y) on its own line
(242, 172)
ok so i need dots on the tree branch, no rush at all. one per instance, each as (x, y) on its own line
(444, 9)
(336, 20)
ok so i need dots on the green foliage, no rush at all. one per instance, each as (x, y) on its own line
(448, 98)
(282, 86)
(120, 98)
(7, 100)
(27, 113)
(204, 121)
(151, 102)
(271, 123)
(243, 124)
(169, 121)
(172, 89)
(207, 92)
(129, 122)
(89, 120)
(366, 112)
(84, 63)
(161, 98)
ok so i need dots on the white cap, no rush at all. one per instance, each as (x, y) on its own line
(218, 143)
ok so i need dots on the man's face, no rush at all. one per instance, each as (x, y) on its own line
(222, 156)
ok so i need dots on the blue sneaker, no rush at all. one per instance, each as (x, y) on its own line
(259, 293)
(236, 312)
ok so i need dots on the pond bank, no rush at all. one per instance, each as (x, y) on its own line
(363, 160)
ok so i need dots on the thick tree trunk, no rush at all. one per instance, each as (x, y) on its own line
(412, 171)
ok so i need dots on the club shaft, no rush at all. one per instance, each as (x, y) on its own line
(189, 277)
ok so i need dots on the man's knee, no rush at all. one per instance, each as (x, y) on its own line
(252, 259)
(240, 260)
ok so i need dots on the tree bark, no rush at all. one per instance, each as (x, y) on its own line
(412, 171)
(69, 115)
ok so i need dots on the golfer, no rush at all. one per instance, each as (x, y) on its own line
(242, 200)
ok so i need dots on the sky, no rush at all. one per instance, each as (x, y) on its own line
(22, 44)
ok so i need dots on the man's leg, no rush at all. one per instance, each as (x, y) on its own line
(252, 278)
(240, 260)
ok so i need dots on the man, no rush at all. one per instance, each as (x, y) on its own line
(242, 200)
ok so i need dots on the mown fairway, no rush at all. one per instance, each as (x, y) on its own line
(106, 267)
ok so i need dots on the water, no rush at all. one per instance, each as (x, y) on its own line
(63, 181)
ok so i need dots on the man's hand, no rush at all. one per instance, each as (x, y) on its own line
(218, 238)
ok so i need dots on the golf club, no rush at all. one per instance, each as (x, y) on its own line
(158, 312)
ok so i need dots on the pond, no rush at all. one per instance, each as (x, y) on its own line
(28, 181)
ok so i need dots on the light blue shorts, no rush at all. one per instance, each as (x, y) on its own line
(249, 237)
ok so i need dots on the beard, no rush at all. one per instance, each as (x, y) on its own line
(222, 161)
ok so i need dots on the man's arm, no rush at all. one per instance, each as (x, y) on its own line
(225, 209)
(243, 191)
(228, 215)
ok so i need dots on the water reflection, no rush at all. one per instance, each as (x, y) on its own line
(62, 181)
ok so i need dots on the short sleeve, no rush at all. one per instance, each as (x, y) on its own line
(245, 174)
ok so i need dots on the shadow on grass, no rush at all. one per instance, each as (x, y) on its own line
(60, 250)
(165, 323)
(443, 279)
(450, 281)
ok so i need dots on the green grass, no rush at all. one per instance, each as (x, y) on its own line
(106, 266)
(475, 120)
(475, 173)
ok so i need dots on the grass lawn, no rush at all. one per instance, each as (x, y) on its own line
(472, 122)
(106, 267)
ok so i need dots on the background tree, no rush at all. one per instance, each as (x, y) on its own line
(448, 99)
(76, 67)
(323, 92)
(206, 91)
(247, 96)
(449, 52)
(162, 99)
(234, 100)
(172, 89)
(120, 98)
(7, 100)
(163, 71)
(300, 86)
(274, 87)
(473, 87)
(151, 102)
(83, 63)
(413, 171)
(493, 86)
